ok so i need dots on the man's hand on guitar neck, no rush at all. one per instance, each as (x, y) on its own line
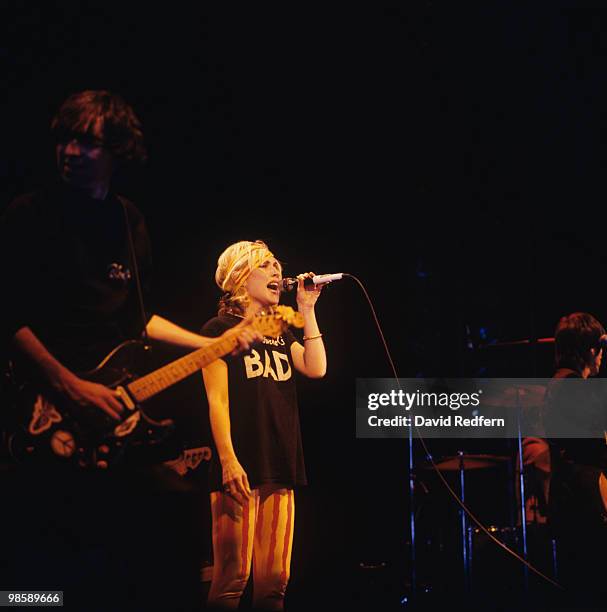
(81, 391)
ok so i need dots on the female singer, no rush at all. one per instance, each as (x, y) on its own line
(255, 424)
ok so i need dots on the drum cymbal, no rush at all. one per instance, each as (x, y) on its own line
(471, 462)
(520, 396)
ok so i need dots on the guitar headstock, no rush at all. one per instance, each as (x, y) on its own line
(274, 323)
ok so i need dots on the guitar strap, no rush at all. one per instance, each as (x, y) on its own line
(133, 256)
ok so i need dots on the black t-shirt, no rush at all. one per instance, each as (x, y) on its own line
(573, 404)
(69, 274)
(576, 462)
(264, 416)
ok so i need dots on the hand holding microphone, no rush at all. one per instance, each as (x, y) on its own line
(306, 295)
(310, 280)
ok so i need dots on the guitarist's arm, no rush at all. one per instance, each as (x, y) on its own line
(87, 393)
(64, 381)
(235, 481)
(164, 331)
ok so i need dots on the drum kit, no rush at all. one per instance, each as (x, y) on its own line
(458, 470)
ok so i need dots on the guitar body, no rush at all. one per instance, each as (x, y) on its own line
(48, 427)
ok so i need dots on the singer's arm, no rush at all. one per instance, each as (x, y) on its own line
(311, 358)
(235, 481)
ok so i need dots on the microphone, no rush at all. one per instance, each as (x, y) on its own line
(288, 284)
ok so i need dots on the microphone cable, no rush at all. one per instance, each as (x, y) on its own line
(443, 480)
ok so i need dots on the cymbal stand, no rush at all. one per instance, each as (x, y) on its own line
(522, 487)
(466, 549)
(412, 575)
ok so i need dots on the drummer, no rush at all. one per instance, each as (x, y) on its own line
(577, 508)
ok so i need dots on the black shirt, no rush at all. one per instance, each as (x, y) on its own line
(69, 273)
(575, 405)
(264, 416)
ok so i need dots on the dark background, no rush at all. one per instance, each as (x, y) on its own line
(452, 160)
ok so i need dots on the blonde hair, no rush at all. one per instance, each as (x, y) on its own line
(233, 268)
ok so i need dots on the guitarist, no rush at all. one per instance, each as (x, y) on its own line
(77, 276)
(71, 282)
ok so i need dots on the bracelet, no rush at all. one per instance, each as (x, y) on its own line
(312, 337)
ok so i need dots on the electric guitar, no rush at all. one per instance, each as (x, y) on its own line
(49, 425)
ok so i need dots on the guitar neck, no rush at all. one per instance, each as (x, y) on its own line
(149, 385)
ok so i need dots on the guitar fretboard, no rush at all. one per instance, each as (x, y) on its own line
(147, 386)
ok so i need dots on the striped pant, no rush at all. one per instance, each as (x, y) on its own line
(258, 532)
